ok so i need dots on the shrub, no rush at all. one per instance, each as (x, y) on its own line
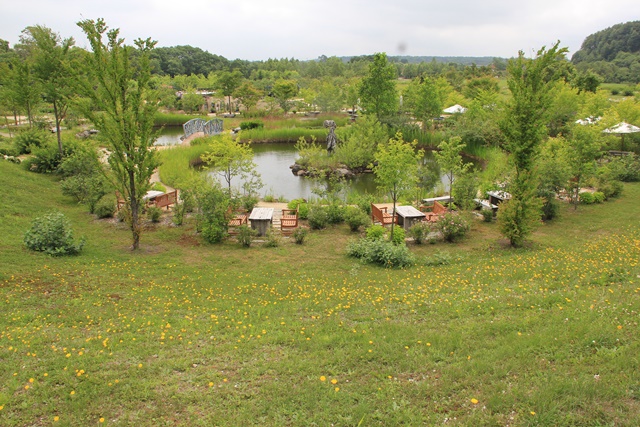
(245, 235)
(105, 208)
(610, 188)
(53, 235)
(487, 215)
(28, 140)
(419, 232)
(318, 217)
(335, 213)
(154, 213)
(273, 240)
(47, 159)
(623, 168)
(363, 201)
(300, 234)
(302, 205)
(381, 252)
(249, 202)
(550, 209)
(355, 218)
(598, 197)
(398, 236)
(376, 232)
(452, 226)
(254, 124)
(587, 198)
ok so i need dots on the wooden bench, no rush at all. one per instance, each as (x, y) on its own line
(433, 212)
(165, 200)
(289, 220)
(380, 215)
(238, 218)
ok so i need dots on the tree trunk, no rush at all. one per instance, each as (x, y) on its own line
(55, 113)
(135, 208)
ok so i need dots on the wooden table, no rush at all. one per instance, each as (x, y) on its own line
(261, 219)
(408, 215)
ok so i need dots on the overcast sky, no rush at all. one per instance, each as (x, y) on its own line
(302, 29)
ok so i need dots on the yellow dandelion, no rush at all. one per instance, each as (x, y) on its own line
(619, 326)
(334, 381)
(101, 420)
(26, 387)
(532, 413)
(210, 384)
(474, 401)
(31, 380)
(323, 378)
(56, 418)
(139, 365)
(72, 392)
(337, 389)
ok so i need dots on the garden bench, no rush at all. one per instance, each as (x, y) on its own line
(237, 219)
(380, 215)
(289, 220)
(165, 200)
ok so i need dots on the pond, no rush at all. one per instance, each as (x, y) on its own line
(272, 163)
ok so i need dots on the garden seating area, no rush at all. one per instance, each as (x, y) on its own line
(434, 212)
(289, 220)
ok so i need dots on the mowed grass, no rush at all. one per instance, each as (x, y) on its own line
(184, 333)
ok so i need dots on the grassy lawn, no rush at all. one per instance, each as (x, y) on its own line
(184, 333)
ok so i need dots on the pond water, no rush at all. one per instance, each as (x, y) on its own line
(272, 163)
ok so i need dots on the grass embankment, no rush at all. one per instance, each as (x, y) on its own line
(182, 333)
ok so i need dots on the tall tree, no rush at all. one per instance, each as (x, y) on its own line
(581, 151)
(227, 82)
(378, 94)
(283, 91)
(425, 99)
(248, 95)
(51, 59)
(450, 160)
(531, 82)
(397, 168)
(122, 108)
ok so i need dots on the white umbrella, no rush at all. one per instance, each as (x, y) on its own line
(455, 109)
(622, 128)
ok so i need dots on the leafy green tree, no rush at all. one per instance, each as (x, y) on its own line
(52, 66)
(122, 108)
(450, 160)
(378, 93)
(580, 153)
(531, 82)
(248, 95)
(191, 101)
(227, 82)
(397, 168)
(283, 91)
(359, 142)
(20, 89)
(229, 158)
(425, 98)
(329, 96)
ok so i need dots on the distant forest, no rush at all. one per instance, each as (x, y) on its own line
(613, 53)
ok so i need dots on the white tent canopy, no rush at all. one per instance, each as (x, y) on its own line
(588, 121)
(455, 109)
(622, 127)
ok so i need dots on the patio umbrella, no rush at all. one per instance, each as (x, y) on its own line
(455, 109)
(622, 129)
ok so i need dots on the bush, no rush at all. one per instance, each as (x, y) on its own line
(355, 218)
(28, 140)
(335, 213)
(419, 232)
(105, 208)
(318, 217)
(47, 159)
(249, 202)
(623, 168)
(587, 198)
(611, 188)
(154, 213)
(452, 226)
(301, 205)
(53, 235)
(300, 234)
(381, 252)
(487, 215)
(273, 240)
(254, 124)
(398, 236)
(376, 232)
(598, 197)
(550, 209)
(245, 235)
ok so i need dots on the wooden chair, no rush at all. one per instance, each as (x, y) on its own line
(166, 200)
(434, 212)
(237, 219)
(380, 215)
(289, 220)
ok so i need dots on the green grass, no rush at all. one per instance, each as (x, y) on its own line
(184, 333)
(281, 135)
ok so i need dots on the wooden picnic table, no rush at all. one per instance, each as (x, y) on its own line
(408, 215)
(260, 219)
